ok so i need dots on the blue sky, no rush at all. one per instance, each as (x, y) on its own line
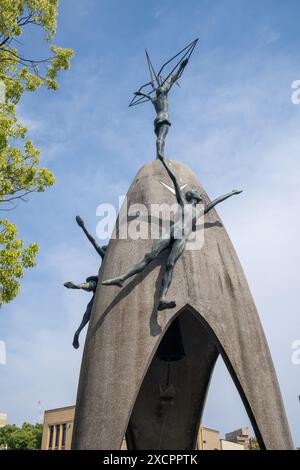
(233, 123)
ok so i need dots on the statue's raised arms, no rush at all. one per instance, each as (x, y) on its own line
(158, 93)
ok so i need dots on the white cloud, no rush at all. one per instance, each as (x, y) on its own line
(267, 35)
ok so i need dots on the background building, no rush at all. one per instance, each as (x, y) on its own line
(227, 445)
(3, 419)
(208, 439)
(240, 436)
(58, 428)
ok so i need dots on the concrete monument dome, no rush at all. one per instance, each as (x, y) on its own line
(146, 373)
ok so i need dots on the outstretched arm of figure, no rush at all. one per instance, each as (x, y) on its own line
(145, 95)
(178, 191)
(97, 247)
(170, 82)
(212, 204)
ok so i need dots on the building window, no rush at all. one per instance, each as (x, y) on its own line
(57, 435)
(64, 435)
(51, 432)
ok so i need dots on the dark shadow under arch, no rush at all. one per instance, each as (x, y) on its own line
(171, 399)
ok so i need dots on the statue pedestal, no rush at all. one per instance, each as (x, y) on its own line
(129, 383)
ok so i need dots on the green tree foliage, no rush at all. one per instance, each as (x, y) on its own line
(253, 444)
(20, 170)
(28, 437)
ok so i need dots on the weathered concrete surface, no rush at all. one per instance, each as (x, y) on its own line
(125, 331)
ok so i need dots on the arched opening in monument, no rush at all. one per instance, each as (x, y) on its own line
(224, 410)
(171, 399)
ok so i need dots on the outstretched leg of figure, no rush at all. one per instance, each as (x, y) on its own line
(71, 285)
(88, 286)
(85, 319)
(176, 251)
(161, 133)
(159, 246)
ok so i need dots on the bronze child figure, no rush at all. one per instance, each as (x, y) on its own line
(160, 89)
(175, 240)
(90, 285)
(160, 102)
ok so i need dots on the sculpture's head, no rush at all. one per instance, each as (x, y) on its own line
(193, 196)
(163, 84)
